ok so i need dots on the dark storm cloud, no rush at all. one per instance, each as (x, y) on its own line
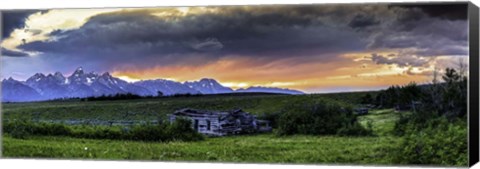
(361, 21)
(451, 11)
(415, 32)
(12, 20)
(139, 36)
(11, 53)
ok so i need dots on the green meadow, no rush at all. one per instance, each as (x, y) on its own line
(265, 148)
(152, 109)
(259, 148)
(381, 147)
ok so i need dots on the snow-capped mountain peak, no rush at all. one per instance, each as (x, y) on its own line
(78, 72)
(106, 74)
(167, 87)
(16, 91)
(81, 84)
(9, 79)
(208, 86)
(37, 77)
(59, 76)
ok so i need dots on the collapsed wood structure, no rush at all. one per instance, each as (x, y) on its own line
(219, 123)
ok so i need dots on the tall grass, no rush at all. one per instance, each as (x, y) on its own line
(263, 148)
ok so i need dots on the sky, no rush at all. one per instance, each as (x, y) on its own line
(312, 48)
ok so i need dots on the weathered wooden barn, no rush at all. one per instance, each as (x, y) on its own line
(218, 123)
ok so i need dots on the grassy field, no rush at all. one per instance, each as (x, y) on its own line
(382, 121)
(143, 109)
(257, 149)
(263, 148)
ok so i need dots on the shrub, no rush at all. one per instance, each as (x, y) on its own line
(441, 143)
(180, 130)
(17, 129)
(97, 132)
(51, 129)
(147, 133)
(318, 117)
(272, 118)
(24, 128)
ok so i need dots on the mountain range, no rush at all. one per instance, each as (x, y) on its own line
(80, 84)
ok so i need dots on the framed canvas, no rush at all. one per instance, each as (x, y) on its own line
(389, 84)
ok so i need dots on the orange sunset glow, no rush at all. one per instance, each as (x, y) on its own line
(309, 77)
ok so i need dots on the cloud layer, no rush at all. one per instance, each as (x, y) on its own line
(14, 20)
(11, 53)
(140, 35)
(409, 37)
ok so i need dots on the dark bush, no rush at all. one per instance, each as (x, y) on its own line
(97, 132)
(318, 117)
(24, 128)
(180, 130)
(440, 143)
(18, 129)
(435, 132)
(51, 129)
(148, 132)
(414, 122)
(272, 118)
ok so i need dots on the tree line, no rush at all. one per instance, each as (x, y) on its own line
(433, 129)
(126, 96)
(448, 98)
